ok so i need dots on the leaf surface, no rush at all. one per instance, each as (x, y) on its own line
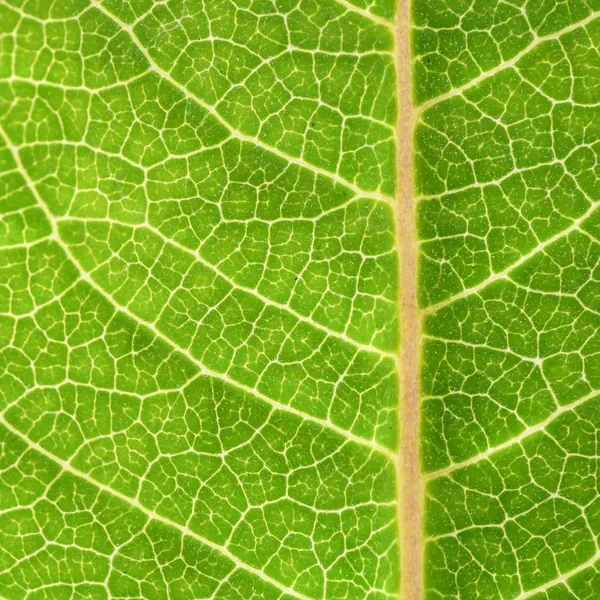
(198, 298)
(506, 147)
(207, 249)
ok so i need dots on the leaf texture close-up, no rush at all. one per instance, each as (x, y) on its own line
(299, 299)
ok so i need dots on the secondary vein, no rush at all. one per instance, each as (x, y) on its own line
(184, 351)
(505, 273)
(537, 40)
(529, 431)
(212, 110)
(197, 256)
(151, 514)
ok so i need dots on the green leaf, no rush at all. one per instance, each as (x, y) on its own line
(207, 248)
(506, 150)
(198, 298)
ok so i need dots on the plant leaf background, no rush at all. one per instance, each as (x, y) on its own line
(199, 306)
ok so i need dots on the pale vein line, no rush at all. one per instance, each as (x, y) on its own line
(151, 514)
(541, 426)
(505, 274)
(23, 245)
(349, 436)
(562, 579)
(483, 185)
(365, 13)
(449, 341)
(232, 282)
(508, 63)
(234, 132)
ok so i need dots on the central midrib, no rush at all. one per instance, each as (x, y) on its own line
(409, 480)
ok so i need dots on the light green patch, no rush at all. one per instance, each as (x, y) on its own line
(198, 300)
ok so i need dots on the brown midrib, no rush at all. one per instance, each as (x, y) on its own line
(410, 482)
